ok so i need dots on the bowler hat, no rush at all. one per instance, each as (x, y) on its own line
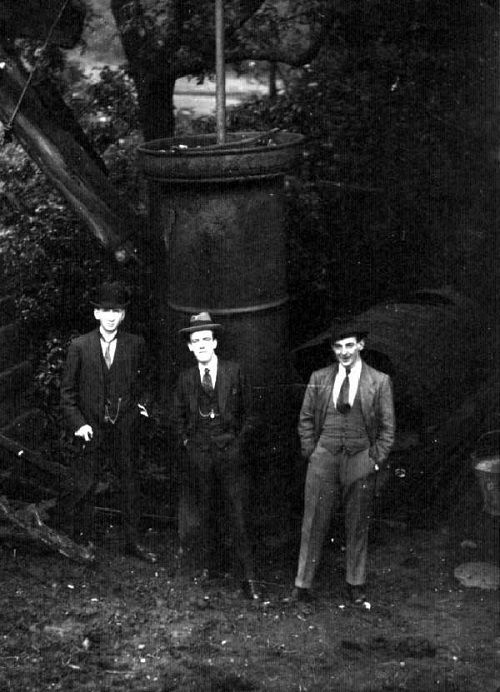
(344, 331)
(199, 322)
(112, 294)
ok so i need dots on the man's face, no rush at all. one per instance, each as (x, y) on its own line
(347, 350)
(109, 318)
(202, 345)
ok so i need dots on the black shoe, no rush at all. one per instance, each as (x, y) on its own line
(356, 594)
(249, 588)
(302, 595)
(139, 551)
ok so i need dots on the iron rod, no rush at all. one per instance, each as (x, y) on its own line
(220, 73)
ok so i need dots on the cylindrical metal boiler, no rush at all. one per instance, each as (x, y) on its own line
(220, 212)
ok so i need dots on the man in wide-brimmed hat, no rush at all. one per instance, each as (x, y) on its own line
(212, 419)
(101, 400)
(346, 429)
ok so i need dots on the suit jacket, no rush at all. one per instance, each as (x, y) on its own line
(82, 386)
(375, 392)
(233, 399)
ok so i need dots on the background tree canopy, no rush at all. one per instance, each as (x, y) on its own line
(397, 99)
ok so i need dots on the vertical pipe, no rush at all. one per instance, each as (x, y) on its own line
(220, 73)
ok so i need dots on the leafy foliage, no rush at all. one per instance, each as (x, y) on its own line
(107, 108)
(48, 259)
(395, 108)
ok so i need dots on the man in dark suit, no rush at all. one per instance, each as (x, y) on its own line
(211, 417)
(346, 429)
(101, 402)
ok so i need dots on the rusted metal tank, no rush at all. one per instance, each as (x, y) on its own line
(220, 212)
(424, 342)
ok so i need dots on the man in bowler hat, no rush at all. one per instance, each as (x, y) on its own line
(346, 429)
(102, 401)
(212, 419)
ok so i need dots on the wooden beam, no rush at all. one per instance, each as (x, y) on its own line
(70, 168)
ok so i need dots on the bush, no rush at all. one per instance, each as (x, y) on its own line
(397, 168)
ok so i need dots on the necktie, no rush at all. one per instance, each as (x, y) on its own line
(107, 354)
(206, 381)
(343, 404)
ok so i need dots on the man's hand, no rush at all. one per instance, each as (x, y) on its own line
(85, 432)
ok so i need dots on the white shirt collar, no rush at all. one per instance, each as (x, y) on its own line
(212, 366)
(106, 336)
(355, 370)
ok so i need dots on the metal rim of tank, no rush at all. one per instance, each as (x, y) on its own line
(181, 159)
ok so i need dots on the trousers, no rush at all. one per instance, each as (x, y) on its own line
(328, 486)
(113, 445)
(217, 478)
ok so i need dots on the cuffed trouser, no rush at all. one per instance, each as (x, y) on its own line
(327, 486)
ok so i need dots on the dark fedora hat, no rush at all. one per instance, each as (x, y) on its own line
(112, 294)
(344, 331)
(198, 322)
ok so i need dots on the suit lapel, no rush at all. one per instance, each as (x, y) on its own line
(326, 394)
(366, 392)
(119, 351)
(95, 353)
(222, 385)
(193, 378)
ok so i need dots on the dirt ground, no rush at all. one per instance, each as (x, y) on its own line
(126, 625)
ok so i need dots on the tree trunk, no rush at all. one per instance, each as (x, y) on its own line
(156, 103)
(167, 40)
(70, 168)
(273, 92)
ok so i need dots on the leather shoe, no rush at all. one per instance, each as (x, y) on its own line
(138, 550)
(357, 594)
(302, 595)
(250, 590)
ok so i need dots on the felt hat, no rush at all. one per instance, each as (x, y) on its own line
(199, 322)
(112, 295)
(344, 331)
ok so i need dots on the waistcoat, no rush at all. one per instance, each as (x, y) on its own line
(112, 407)
(345, 431)
(208, 410)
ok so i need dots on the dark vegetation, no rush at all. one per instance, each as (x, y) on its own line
(396, 193)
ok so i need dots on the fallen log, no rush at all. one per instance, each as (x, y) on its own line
(28, 518)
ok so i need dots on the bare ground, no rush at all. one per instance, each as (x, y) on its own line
(126, 625)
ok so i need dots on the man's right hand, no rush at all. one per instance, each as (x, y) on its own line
(85, 432)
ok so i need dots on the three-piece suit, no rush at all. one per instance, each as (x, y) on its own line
(106, 399)
(212, 429)
(343, 452)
